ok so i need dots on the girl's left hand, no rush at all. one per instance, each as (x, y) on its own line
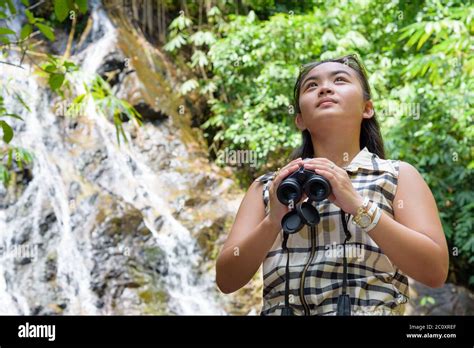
(343, 194)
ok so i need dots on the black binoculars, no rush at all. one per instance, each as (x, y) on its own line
(290, 191)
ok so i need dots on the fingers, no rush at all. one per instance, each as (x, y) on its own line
(326, 172)
(287, 170)
(321, 161)
(318, 159)
(284, 172)
(337, 171)
(298, 160)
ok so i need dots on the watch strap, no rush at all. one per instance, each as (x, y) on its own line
(378, 214)
(361, 210)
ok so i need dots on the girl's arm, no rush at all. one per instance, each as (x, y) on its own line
(414, 240)
(252, 234)
(250, 239)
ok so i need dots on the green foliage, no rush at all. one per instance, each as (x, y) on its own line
(255, 70)
(107, 103)
(63, 8)
(13, 154)
(7, 130)
(56, 70)
(425, 300)
(41, 24)
(437, 75)
(8, 152)
(420, 64)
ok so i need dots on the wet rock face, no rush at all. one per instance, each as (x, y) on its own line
(450, 299)
(126, 263)
(143, 222)
(149, 113)
(20, 178)
(112, 68)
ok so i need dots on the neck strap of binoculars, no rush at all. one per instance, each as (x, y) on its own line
(348, 236)
(344, 301)
(287, 274)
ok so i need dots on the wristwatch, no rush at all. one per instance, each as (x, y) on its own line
(366, 218)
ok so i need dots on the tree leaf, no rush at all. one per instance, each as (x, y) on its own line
(26, 31)
(12, 115)
(61, 9)
(4, 175)
(79, 99)
(199, 58)
(423, 39)
(70, 66)
(176, 42)
(6, 31)
(7, 131)
(55, 81)
(415, 37)
(82, 5)
(30, 17)
(12, 7)
(188, 86)
(10, 157)
(22, 102)
(46, 31)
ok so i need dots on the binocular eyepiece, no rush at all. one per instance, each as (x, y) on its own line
(290, 191)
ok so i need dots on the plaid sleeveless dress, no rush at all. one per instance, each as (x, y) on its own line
(376, 286)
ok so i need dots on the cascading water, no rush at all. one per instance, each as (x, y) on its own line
(70, 245)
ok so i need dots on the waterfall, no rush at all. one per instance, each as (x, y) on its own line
(71, 223)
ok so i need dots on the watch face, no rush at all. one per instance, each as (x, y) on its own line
(364, 220)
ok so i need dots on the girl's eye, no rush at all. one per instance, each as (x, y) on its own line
(314, 83)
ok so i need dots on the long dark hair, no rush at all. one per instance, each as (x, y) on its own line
(370, 135)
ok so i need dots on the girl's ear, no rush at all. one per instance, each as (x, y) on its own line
(368, 110)
(299, 122)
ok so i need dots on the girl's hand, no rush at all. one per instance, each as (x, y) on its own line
(278, 210)
(343, 194)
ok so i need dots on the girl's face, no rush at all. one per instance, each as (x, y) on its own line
(339, 83)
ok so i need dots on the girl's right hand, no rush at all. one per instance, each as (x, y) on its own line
(278, 210)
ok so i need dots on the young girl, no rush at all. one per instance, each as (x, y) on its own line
(379, 225)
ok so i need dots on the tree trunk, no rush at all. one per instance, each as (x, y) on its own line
(144, 17)
(200, 15)
(163, 22)
(150, 17)
(135, 10)
(158, 20)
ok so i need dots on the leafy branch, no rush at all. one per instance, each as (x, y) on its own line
(106, 102)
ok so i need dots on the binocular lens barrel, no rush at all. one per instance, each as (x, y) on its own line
(316, 187)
